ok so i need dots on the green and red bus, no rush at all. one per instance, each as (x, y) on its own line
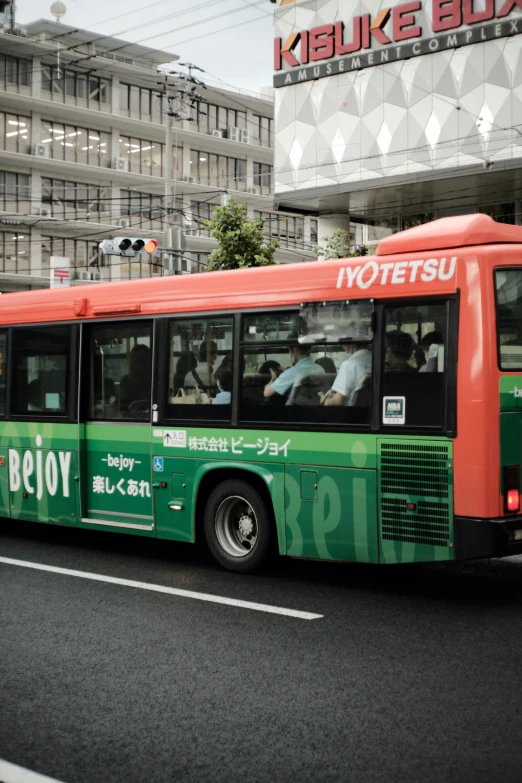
(212, 406)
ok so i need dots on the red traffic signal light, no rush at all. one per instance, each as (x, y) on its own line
(151, 245)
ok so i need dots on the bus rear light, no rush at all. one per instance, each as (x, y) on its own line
(513, 500)
(512, 488)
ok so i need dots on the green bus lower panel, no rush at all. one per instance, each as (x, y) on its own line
(42, 487)
(415, 500)
(331, 513)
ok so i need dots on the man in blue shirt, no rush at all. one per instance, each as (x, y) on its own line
(302, 364)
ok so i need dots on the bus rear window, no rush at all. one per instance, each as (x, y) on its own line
(508, 287)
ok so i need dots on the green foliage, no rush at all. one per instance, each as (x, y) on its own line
(338, 246)
(240, 240)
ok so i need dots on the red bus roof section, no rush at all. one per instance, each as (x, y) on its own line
(450, 232)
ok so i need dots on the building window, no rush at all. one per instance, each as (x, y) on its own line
(313, 231)
(262, 130)
(68, 86)
(194, 262)
(141, 103)
(14, 73)
(15, 247)
(263, 177)
(145, 157)
(200, 211)
(75, 199)
(15, 191)
(503, 213)
(287, 229)
(15, 133)
(84, 255)
(146, 210)
(210, 117)
(41, 363)
(218, 170)
(74, 144)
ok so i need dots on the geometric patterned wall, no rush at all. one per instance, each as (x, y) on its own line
(398, 118)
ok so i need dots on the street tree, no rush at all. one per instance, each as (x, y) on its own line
(338, 246)
(240, 240)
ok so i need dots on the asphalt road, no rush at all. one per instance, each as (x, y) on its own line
(412, 674)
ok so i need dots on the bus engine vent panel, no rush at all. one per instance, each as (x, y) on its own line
(415, 491)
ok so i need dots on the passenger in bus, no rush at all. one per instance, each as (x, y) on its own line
(352, 373)
(136, 386)
(432, 338)
(208, 352)
(223, 379)
(272, 368)
(399, 350)
(327, 364)
(185, 375)
(278, 390)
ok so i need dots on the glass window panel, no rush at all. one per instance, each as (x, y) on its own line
(46, 78)
(508, 285)
(124, 98)
(41, 364)
(105, 91)
(120, 371)
(212, 117)
(81, 86)
(145, 104)
(415, 361)
(200, 369)
(135, 101)
(241, 174)
(24, 73)
(70, 84)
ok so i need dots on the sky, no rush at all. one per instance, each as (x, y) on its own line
(235, 45)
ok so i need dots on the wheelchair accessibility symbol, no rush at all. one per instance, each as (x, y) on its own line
(158, 464)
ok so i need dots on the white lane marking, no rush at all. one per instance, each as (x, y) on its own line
(215, 599)
(11, 773)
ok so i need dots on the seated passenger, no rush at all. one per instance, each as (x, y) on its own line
(136, 386)
(185, 374)
(327, 364)
(432, 338)
(208, 352)
(223, 379)
(278, 389)
(271, 367)
(398, 353)
(357, 366)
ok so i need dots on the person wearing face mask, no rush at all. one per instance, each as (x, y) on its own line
(278, 389)
(223, 378)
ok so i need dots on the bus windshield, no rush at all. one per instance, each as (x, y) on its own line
(508, 285)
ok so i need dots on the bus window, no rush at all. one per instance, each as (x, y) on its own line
(3, 369)
(314, 366)
(415, 364)
(508, 284)
(41, 364)
(200, 369)
(120, 357)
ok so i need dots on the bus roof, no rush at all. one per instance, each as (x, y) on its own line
(450, 232)
(426, 263)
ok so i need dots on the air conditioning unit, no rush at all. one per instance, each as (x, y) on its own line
(244, 136)
(44, 212)
(191, 232)
(42, 151)
(89, 276)
(217, 134)
(120, 164)
(255, 191)
(188, 178)
(122, 222)
(234, 134)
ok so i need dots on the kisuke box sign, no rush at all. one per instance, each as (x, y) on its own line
(394, 410)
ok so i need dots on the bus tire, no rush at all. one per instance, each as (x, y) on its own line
(238, 526)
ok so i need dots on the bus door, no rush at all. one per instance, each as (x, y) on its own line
(116, 424)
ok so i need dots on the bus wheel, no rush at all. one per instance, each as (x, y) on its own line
(237, 526)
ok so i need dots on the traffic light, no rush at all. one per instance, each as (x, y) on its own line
(128, 246)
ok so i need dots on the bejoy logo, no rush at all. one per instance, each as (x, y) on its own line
(329, 40)
(397, 272)
(517, 393)
(36, 472)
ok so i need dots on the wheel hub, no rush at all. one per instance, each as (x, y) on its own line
(246, 525)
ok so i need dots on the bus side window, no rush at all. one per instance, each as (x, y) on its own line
(414, 362)
(41, 366)
(200, 368)
(120, 372)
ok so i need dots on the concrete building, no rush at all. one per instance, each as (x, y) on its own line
(391, 114)
(82, 157)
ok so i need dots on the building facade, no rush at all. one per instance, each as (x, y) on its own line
(390, 114)
(83, 158)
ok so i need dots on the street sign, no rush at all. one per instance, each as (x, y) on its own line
(60, 272)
